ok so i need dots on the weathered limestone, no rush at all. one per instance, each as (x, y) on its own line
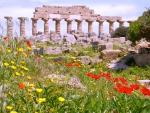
(130, 22)
(34, 26)
(69, 25)
(100, 26)
(57, 25)
(121, 22)
(79, 25)
(22, 25)
(90, 21)
(111, 25)
(9, 26)
(46, 26)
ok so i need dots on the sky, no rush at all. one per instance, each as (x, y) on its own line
(127, 9)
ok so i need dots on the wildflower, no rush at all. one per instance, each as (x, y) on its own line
(135, 86)
(145, 91)
(31, 85)
(8, 50)
(22, 73)
(36, 56)
(22, 62)
(51, 109)
(40, 100)
(17, 73)
(69, 65)
(29, 77)
(9, 107)
(29, 90)
(13, 112)
(6, 64)
(5, 38)
(16, 55)
(61, 99)
(41, 56)
(136, 77)
(28, 43)
(24, 109)
(21, 86)
(13, 67)
(115, 79)
(123, 80)
(73, 58)
(24, 54)
(26, 69)
(20, 49)
(29, 48)
(39, 90)
(76, 64)
(12, 62)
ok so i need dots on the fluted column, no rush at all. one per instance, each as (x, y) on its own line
(69, 25)
(46, 26)
(130, 22)
(90, 27)
(22, 25)
(121, 22)
(100, 26)
(34, 26)
(9, 26)
(79, 25)
(57, 25)
(111, 26)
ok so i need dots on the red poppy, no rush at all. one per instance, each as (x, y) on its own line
(136, 77)
(28, 43)
(135, 86)
(21, 86)
(60, 62)
(89, 74)
(36, 56)
(76, 64)
(115, 79)
(123, 80)
(5, 38)
(145, 91)
(124, 89)
(96, 77)
(69, 65)
(16, 55)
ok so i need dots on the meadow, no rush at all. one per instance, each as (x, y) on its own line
(26, 85)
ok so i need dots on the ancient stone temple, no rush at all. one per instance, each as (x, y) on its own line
(69, 14)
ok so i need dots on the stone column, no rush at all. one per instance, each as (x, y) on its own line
(34, 26)
(121, 22)
(79, 25)
(111, 26)
(9, 26)
(22, 25)
(69, 25)
(130, 22)
(100, 31)
(90, 21)
(46, 26)
(57, 25)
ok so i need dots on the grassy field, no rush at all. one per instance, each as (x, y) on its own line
(26, 88)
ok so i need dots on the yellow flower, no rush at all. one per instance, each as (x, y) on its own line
(22, 73)
(20, 49)
(26, 69)
(9, 107)
(22, 62)
(29, 90)
(24, 83)
(29, 77)
(12, 62)
(8, 50)
(39, 90)
(13, 67)
(41, 56)
(13, 112)
(24, 109)
(6, 64)
(31, 85)
(40, 100)
(17, 73)
(52, 110)
(61, 99)
(28, 48)
(24, 54)
(73, 58)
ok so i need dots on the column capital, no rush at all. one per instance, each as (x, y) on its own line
(22, 18)
(111, 21)
(34, 19)
(130, 21)
(90, 20)
(45, 19)
(78, 20)
(100, 21)
(68, 20)
(57, 19)
(8, 17)
(120, 21)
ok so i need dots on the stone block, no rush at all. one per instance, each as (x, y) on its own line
(140, 59)
(109, 55)
(106, 46)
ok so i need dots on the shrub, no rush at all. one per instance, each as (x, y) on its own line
(140, 28)
(120, 32)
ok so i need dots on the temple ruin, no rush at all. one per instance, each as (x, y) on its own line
(69, 14)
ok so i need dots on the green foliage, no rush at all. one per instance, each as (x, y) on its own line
(141, 27)
(120, 32)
